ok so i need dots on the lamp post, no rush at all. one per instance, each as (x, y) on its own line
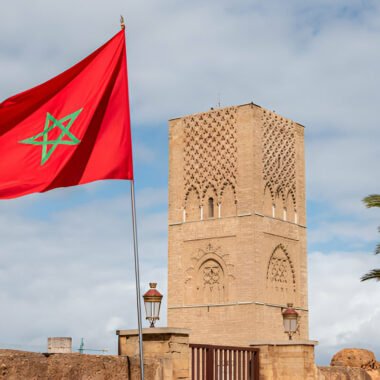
(290, 319)
(152, 302)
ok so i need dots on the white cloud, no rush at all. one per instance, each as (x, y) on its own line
(73, 274)
(343, 310)
(314, 61)
(349, 232)
(342, 170)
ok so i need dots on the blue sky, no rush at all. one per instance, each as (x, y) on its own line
(66, 256)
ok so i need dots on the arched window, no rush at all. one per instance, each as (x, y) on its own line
(211, 207)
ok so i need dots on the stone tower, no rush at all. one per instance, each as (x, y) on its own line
(237, 225)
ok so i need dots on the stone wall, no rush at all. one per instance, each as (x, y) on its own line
(167, 346)
(237, 225)
(16, 365)
(291, 360)
(166, 357)
(343, 373)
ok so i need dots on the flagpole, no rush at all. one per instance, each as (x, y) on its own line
(137, 264)
(137, 277)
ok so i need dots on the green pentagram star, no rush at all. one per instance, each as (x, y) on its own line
(50, 123)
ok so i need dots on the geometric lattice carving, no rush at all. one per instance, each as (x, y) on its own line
(211, 282)
(209, 275)
(280, 273)
(210, 153)
(212, 273)
(279, 157)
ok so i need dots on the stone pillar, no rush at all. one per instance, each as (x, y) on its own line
(287, 360)
(62, 345)
(168, 345)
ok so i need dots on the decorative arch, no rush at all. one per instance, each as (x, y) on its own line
(279, 153)
(192, 204)
(291, 207)
(209, 276)
(279, 203)
(228, 202)
(190, 190)
(209, 193)
(280, 272)
(211, 284)
(268, 200)
(210, 150)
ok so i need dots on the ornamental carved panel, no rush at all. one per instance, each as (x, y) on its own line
(209, 276)
(280, 272)
(211, 284)
(210, 155)
(279, 160)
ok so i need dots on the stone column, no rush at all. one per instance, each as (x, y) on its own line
(168, 345)
(287, 360)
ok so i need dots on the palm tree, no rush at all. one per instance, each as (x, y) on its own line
(372, 201)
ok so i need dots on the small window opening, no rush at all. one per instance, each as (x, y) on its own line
(273, 211)
(285, 214)
(211, 207)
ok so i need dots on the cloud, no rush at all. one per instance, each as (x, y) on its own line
(347, 232)
(343, 311)
(73, 275)
(66, 258)
(342, 170)
(315, 62)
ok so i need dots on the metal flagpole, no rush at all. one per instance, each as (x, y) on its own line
(137, 264)
(137, 276)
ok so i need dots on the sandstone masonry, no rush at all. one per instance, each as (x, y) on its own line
(237, 225)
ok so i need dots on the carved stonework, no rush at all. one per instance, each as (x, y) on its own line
(279, 159)
(228, 277)
(212, 273)
(280, 273)
(211, 285)
(209, 276)
(210, 155)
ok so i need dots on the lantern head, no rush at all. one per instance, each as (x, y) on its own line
(152, 302)
(290, 319)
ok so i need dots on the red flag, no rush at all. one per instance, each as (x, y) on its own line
(71, 130)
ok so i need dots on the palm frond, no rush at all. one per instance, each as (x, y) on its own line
(377, 250)
(374, 274)
(372, 200)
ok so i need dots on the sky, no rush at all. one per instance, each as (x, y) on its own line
(66, 257)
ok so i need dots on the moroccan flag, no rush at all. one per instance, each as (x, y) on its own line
(71, 130)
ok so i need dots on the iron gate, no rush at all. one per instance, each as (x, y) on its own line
(224, 363)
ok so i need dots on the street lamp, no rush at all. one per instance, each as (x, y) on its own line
(290, 317)
(152, 302)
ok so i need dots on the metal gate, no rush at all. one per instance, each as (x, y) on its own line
(224, 363)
